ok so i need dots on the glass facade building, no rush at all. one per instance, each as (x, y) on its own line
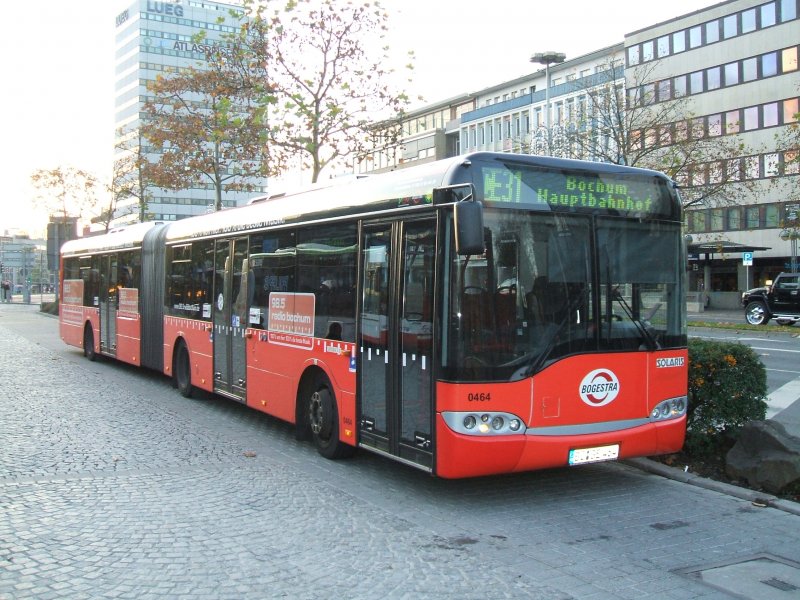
(158, 38)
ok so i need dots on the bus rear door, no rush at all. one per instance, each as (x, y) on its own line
(230, 318)
(108, 304)
(395, 340)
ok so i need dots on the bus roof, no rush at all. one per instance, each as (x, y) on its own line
(121, 238)
(401, 189)
(404, 187)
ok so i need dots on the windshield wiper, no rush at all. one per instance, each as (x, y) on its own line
(545, 353)
(652, 343)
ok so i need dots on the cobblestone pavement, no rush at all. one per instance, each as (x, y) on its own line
(114, 486)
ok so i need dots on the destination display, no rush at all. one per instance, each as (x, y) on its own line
(608, 193)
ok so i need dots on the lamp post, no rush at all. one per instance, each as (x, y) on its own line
(547, 59)
(791, 235)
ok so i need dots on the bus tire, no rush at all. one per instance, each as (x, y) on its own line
(88, 342)
(182, 371)
(323, 419)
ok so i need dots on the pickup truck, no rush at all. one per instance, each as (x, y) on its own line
(779, 301)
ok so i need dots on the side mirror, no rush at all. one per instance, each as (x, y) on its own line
(469, 227)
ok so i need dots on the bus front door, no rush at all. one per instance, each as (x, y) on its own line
(395, 340)
(108, 304)
(230, 318)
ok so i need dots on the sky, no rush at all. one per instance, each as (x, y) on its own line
(57, 101)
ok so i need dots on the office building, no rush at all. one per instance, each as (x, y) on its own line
(736, 64)
(731, 68)
(158, 38)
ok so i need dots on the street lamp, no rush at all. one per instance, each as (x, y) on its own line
(547, 59)
(791, 235)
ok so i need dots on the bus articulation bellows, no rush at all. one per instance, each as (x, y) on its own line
(490, 313)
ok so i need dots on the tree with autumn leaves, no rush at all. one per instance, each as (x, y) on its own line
(295, 86)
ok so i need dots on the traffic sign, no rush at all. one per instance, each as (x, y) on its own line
(747, 259)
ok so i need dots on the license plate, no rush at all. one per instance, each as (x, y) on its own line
(581, 456)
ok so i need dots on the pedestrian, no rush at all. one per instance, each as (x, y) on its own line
(6, 291)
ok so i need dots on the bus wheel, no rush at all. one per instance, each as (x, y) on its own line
(182, 371)
(88, 343)
(323, 419)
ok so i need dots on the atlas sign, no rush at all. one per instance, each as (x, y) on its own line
(599, 387)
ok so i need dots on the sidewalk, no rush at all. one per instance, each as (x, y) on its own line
(36, 299)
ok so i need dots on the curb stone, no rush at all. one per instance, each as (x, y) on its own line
(676, 474)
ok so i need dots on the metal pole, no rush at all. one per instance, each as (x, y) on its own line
(546, 59)
(547, 106)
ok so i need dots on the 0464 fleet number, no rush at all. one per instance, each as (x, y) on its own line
(479, 397)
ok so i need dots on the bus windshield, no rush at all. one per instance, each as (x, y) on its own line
(552, 284)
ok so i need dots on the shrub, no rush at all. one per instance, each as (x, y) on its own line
(727, 388)
(51, 308)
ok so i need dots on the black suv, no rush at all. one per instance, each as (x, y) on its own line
(779, 301)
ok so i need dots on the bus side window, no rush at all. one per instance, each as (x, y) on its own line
(272, 268)
(327, 262)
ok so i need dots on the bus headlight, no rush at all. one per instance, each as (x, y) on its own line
(484, 424)
(673, 408)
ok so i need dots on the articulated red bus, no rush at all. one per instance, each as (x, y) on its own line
(489, 313)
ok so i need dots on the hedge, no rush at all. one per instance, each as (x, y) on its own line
(727, 388)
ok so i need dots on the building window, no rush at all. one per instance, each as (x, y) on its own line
(717, 222)
(681, 131)
(770, 115)
(752, 166)
(678, 42)
(679, 87)
(732, 73)
(791, 162)
(647, 51)
(662, 46)
(698, 223)
(790, 110)
(749, 20)
(772, 164)
(633, 56)
(749, 69)
(771, 215)
(733, 170)
(714, 78)
(712, 32)
(695, 37)
(715, 125)
(788, 10)
(696, 82)
(752, 219)
(734, 218)
(789, 60)
(769, 64)
(767, 15)
(729, 26)
(750, 118)
(664, 90)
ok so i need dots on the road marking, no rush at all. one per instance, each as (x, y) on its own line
(782, 371)
(783, 397)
